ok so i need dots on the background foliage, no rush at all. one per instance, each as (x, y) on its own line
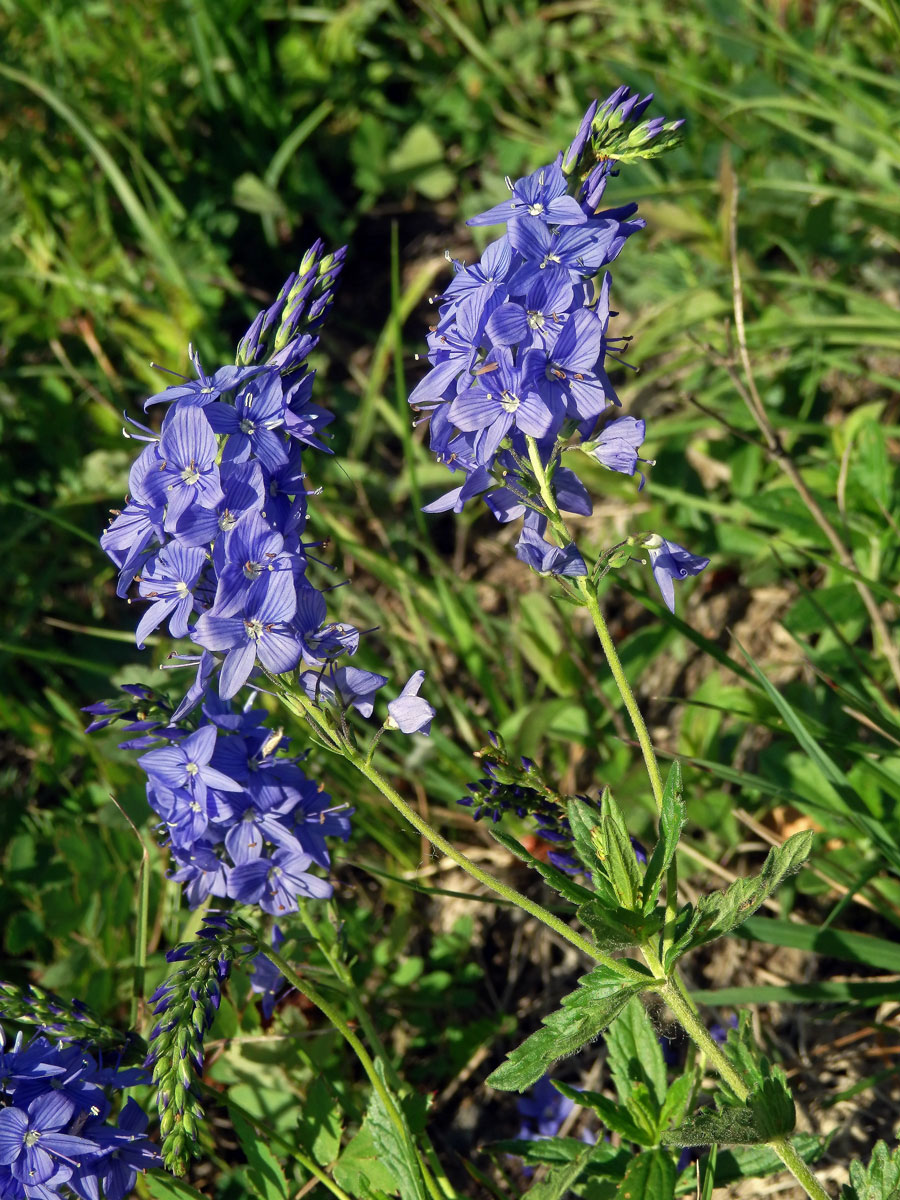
(163, 168)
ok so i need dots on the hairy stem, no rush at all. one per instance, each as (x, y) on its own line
(589, 599)
(317, 716)
(675, 995)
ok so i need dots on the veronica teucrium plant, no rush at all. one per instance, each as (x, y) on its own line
(211, 548)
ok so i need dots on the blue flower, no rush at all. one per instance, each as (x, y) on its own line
(541, 196)
(409, 712)
(670, 562)
(32, 1143)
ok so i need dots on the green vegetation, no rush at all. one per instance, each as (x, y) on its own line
(164, 166)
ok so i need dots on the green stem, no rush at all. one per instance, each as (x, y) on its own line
(589, 598)
(307, 708)
(675, 995)
(336, 1019)
(342, 971)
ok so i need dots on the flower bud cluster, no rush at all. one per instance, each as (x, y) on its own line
(518, 354)
(213, 536)
(186, 1005)
(64, 1020)
(518, 786)
(57, 1135)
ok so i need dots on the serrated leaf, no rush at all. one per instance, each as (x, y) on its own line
(617, 853)
(717, 914)
(360, 1171)
(772, 1106)
(878, 1180)
(671, 822)
(585, 1013)
(613, 1116)
(730, 1127)
(559, 1180)
(678, 1097)
(650, 1176)
(558, 880)
(635, 1055)
(394, 1151)
(264, 1173)
(582, 819)
(615, 928)
(319, 1126)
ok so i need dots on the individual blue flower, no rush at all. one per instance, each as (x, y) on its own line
(186, 764)
(490, 274)
(251, 423)
(540, 195)
(205, 388)
(169, 580)
(188, 450)
(243, 490)
(670, 562)
(32, 1143)
(201, 871)
(125, 1151)
(351, 685)
(563, 373)
(501, 399)
(275, 883)
(616, 447)
(541, 556)
(266, 980)
(544, 1109)
(262, 633)
(409, 712)
(250, 552)
(568, 254)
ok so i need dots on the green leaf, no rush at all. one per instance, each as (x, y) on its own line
(163, 1186)
(650, 1176)
(620, 864)
(768, 1113)
(672, 819)
(772, 1106)
(558, 880)
(264, 1173)
(559, 1180)
(600, 997)
(615, 928)
(677, 1099)
(360, 1170)
(728, 1127)
(635, 1055)
(583, 818)
(394, 1151)
(613, 1116)
(880, 1180)
(717, 914)
(319, 1126)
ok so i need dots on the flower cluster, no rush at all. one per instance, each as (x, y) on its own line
(519, 349)
(56, 1135)
(213, 535)
(186, 1005)
(242, 821)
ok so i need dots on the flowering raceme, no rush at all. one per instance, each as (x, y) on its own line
(213, 535)
(520, 345)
